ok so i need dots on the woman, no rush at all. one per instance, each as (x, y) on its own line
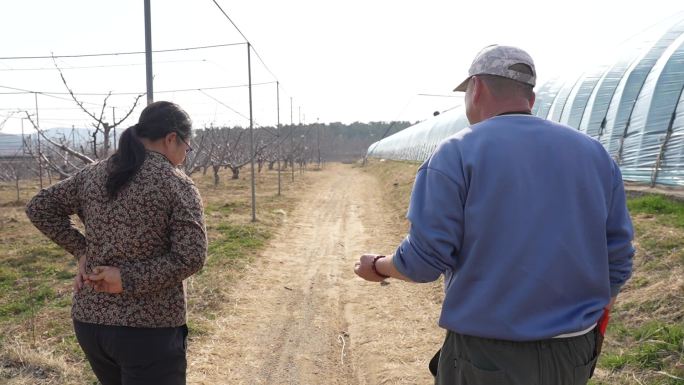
(144, 234)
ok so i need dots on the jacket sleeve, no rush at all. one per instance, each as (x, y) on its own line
(187, 253)
(436, 215)
(619, 234)
(50, 212)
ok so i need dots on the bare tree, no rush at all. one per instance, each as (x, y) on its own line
(39, 153)
(198, 159)
(228, 148)
(14, 169)
(231, 151)
(99, 124)
(65, 157)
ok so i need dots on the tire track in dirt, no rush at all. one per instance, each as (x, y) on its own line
(300, 316)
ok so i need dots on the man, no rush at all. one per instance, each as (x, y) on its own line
(527, 220)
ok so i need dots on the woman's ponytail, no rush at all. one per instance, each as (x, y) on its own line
(126, 162)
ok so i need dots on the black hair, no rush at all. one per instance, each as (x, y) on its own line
(156, 121)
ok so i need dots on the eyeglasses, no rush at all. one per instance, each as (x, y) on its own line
(187, 150)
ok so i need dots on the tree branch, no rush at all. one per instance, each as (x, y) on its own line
(78, 102)
(54, 166)
(130, 111)
(82, 157)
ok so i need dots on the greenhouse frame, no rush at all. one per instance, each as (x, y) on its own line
(634, 106)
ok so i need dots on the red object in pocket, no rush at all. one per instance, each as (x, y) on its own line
(603, 321)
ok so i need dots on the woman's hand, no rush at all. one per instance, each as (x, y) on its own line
(106, 279)
(81, 276)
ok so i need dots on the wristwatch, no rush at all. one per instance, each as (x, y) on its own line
(375, 269)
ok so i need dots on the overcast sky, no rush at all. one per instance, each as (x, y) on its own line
(339, 60)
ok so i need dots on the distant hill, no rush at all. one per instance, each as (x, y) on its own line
(9, 144)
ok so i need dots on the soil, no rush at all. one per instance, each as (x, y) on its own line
(299, 314)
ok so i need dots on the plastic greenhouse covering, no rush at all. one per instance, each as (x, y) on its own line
(634, 106)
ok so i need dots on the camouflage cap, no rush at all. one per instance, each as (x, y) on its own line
(497, 60)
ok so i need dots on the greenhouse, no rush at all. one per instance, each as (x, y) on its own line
(634, 106)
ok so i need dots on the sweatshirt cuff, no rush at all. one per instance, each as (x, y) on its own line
(401, 267)
(412, 266)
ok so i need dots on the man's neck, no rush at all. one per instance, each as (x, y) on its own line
(506, 108)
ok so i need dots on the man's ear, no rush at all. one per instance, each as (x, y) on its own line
(477, 85)
(532, 100)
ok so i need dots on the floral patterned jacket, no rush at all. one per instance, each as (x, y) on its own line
(153, 231)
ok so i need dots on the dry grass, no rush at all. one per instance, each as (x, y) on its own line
(645, 342)
(396, 180)
(37, 345)
(644, 345)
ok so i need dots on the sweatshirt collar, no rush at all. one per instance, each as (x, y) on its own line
(515, 113)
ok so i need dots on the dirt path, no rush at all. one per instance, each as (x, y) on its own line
(299, 315)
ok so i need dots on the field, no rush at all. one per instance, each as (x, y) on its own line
(37, 344)
(277, 301)
(645, 342)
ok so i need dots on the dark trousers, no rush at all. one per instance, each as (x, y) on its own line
(466, 360)
(121, 355)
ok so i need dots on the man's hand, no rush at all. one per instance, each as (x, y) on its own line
(364, 268)
(81, 277)
(106, 279)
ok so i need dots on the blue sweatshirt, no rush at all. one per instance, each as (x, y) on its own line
(528, 221)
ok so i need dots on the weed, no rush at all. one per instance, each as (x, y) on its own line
(236, 242)
(668, 211)
(654, 345)
(24, 304)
